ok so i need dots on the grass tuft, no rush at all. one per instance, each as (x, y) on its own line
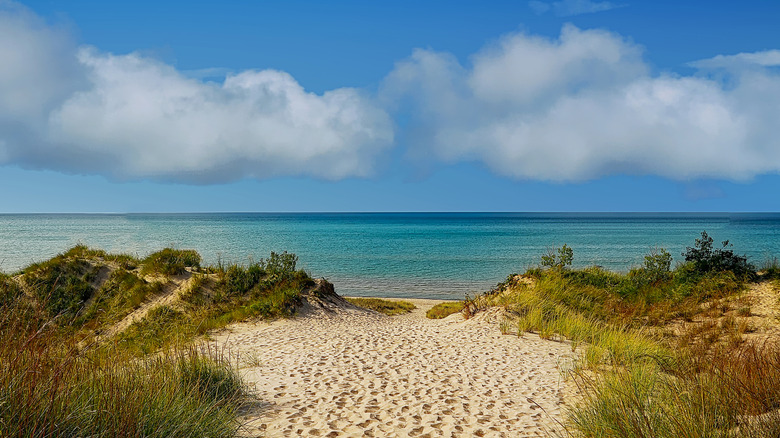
(391, 308)
(170, 261)
(443, 310)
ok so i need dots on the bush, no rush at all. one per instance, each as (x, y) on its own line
(558, 258)
(658, 265)
(705, 259)
(238, 280)
(653, 276)
(281, 264)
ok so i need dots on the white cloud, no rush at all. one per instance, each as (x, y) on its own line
(568, 8)
(584, 106)
(580, 106)
(767, 58)
(130, 117)
(38, 69)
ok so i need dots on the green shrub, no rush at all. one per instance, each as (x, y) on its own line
(238, 280)
(558, 258)
(657, 266)
(595, 276)
(281, 264)
(701, 383)
(705, 259)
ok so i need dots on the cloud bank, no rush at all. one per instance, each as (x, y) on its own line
(76, 109)
(581, 106)
(584, 106)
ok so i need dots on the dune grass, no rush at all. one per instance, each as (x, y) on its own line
(734, 394)
(49, 386)
(387, 307)
(58, 377)
(222, 295)
(169, 261)
(637, 377)
(443, 310)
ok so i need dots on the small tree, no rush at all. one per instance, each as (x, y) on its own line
(558, 258)
(657, 266)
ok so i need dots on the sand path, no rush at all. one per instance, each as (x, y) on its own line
(358, 373)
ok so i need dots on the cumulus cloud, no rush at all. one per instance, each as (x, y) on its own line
(576, 107)
(583, 106)
(568, 8)
(77, 109)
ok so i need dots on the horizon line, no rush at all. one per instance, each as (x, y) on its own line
(117, 213)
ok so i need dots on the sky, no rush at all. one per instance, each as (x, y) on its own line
(288, 106)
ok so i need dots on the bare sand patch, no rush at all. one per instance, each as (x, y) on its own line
(345, 371)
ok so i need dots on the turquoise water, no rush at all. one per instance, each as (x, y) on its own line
(427, 255)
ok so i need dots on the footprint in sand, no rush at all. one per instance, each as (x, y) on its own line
(357, 374)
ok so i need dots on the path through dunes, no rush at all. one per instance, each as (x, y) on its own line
(348, 372)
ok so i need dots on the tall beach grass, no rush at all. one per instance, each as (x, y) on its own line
(63, 374)
(662, 351)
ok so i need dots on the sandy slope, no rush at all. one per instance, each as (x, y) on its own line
(348, 372)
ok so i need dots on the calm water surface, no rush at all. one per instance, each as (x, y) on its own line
(430, 255)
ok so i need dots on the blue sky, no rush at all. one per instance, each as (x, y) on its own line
(570, 105)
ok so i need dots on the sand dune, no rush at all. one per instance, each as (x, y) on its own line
(347, 372)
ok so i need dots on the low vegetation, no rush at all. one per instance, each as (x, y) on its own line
(443, 310)
(219, 296)
(50, 386)
(170, 261)
(73, 364)
(388, 307)
(664, 351)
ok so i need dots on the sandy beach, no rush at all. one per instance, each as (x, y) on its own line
(342, 371)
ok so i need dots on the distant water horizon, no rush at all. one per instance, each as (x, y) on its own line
(415, 255)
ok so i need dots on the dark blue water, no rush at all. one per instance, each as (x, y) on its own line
(434, 255)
